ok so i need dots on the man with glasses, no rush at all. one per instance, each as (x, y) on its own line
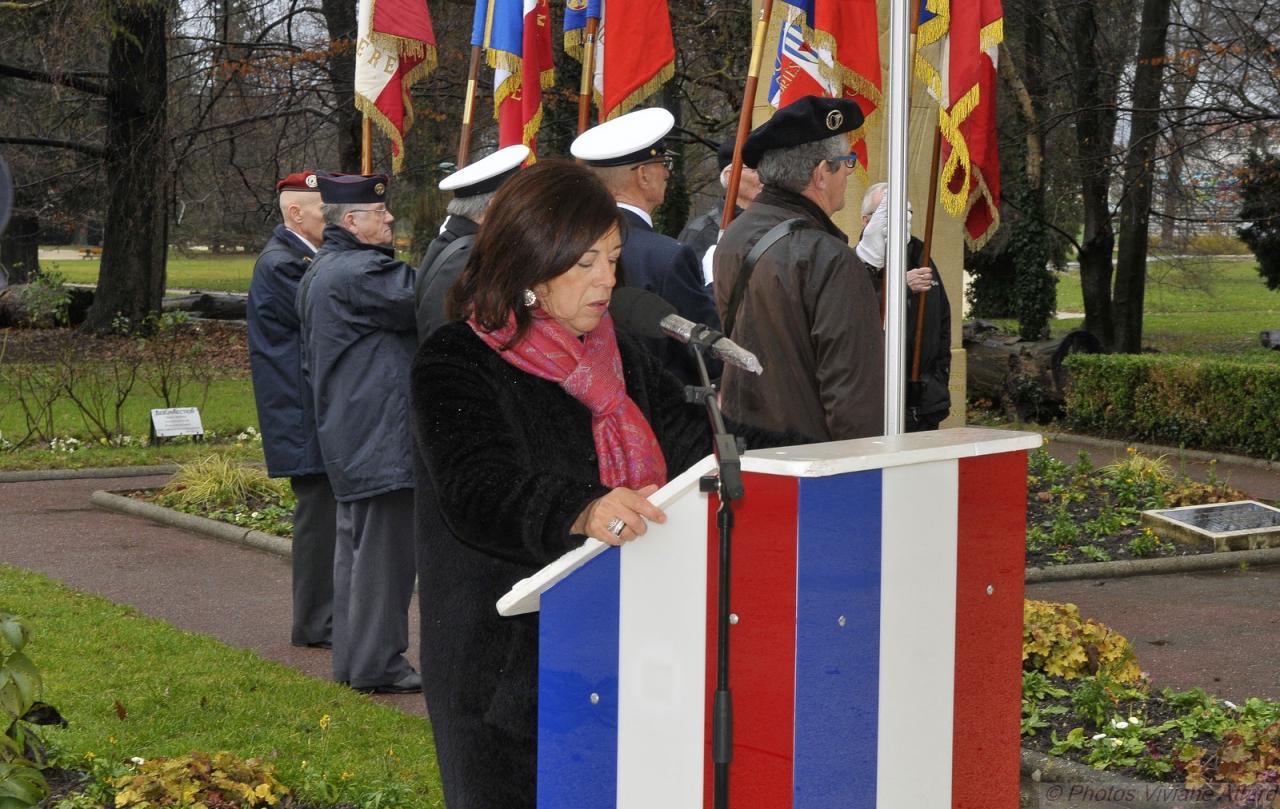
(804, 303)
(356, 303)
(629, 154)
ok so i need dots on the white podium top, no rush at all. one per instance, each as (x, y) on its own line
(808, 461)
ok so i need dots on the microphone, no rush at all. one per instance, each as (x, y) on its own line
(645, 314)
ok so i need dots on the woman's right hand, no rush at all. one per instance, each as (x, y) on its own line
(629, 505)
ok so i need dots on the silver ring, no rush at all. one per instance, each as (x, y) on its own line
(616, 526)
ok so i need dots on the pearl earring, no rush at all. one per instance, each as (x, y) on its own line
(530, 299)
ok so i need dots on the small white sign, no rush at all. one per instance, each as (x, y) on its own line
(168, 422)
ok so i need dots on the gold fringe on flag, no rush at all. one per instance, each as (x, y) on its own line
(369, 109)
(650, 87)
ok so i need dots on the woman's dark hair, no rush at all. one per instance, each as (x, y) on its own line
(538, 225)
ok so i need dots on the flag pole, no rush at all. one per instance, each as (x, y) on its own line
(744, 117)
(468, 107)
(588, 74)
(931, 202)
(366, 147)
(895, 300)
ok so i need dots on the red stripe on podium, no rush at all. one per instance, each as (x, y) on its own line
(988, 668)
(762, 643)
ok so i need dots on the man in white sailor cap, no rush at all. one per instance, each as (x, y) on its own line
(473, 187)
(629, 155)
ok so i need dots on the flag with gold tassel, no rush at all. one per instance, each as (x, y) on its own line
(516, 35)
(395, 47)
(958, 42)
(635, 61)
(829, 48)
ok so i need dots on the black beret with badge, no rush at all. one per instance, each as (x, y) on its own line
(804, 120)
(347, 189)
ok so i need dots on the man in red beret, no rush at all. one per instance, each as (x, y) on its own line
(285, 407)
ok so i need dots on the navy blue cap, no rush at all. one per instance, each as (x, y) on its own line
(724, 154)
(804, 120)
(353, 188)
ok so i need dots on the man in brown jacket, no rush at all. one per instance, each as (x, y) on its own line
(808, 309)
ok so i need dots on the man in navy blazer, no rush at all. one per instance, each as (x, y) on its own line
(629, 155)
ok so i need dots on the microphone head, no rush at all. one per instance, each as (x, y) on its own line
(639, 312)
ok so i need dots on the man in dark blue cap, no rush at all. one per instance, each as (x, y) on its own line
(285, 403)
(630, 157)
(356, 303)
(806, 306)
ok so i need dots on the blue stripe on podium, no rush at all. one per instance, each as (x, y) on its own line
(578, 689)
(837, 640)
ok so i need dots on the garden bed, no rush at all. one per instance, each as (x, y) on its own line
(1085, 699)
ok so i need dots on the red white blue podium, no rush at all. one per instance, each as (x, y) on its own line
(876, 657)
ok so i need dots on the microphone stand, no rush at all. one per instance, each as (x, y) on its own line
(728, 485)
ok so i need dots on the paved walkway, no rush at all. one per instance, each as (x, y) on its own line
(238, 595)
(1218, 630)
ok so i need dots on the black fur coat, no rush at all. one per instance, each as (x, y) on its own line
(511, 461)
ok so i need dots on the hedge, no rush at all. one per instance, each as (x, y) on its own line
(1176, 401)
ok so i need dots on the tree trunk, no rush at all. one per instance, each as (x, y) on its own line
(20, 247)
(137, 167)
(340, 19)
(1095, 129)
(1135, 207)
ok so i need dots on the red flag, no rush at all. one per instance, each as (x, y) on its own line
(395, 48)
(962, 78)
(518, 38)
(635, 52)
(839, 54)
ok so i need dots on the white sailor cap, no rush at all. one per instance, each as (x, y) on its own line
(632, 138)
(486, 174)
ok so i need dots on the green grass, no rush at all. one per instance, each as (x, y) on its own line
(227, 273)
(229, 410)
(1198, 307)
(182, 692)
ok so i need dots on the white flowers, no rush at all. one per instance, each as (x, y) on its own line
(1099, 736)
(138, 760)
(1230, 704)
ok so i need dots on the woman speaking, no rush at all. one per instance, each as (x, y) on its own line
(539, 425)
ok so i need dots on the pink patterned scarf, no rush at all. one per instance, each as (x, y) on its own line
(590, 370)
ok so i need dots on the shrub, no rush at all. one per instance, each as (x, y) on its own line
(1058, 642)
(217, 481)
(199, 779)
(1178, 401)
(22, 755)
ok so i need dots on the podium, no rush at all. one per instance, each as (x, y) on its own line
(876, 638)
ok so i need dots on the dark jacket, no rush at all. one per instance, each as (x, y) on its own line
(928, 401)
(704, 230)
(663, 266)
(356, 304)
(514, 463)
(435, 278)
(811, 315)
(285, 405)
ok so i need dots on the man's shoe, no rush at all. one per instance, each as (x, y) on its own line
(410, 683)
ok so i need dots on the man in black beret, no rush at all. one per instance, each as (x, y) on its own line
(356, 304)
(807, 306)
(702, 232)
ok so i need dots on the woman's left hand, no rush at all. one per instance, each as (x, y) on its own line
(630, 506)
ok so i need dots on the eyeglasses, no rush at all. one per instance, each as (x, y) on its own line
(669, 163)
(849, 160)
(382, 212)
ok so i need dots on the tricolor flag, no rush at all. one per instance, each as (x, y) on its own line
(395, 47)
(638, 60)
(516, 35)
(958, 44)
(829, 48)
